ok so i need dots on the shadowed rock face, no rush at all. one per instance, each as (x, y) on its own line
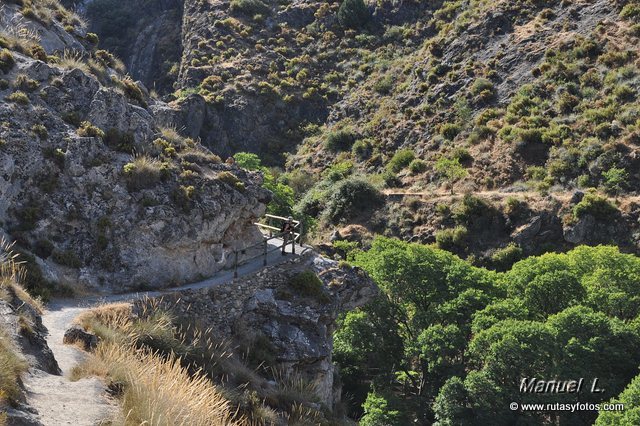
(298, 325)
(68, 199)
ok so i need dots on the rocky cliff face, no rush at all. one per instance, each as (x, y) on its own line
(96, 187)
(283, 313)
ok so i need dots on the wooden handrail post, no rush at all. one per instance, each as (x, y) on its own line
(301, 232)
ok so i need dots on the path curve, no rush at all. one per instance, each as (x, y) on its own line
(60, 401)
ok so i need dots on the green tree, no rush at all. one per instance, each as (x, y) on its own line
(283, 195)
(451, 170)
(379, 411)
(615, 180)
(631, 413)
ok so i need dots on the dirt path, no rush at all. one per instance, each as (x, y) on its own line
(445, 195)
(60, 401)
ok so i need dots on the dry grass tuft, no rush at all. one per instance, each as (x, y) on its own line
(11, 274)
(71, 60)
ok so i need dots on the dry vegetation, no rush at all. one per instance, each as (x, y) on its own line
(12, 364)
(167, 374)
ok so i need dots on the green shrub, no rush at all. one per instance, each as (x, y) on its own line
(536, 172)
(143, 172)
(452, 238)
(384, 84)
(471, 208)
(480, 85)
(630, 11)
(451, 170)
(120, 141)
(615, 180)
(18, 98)
(7, 60)
(353, 14)
(308, 284)
(530, 136)
(597, 206)
(362, 149)
(88, 130)
(340, 140)
(400, 160)
(417, 166)
(40, 131)
(624, 93)
(66, 258)
(338, 171)
(503, 258)
(231, 180)
(450, 130)
(351, 197)
(250, 7)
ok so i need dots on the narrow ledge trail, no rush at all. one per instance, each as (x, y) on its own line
(60, 401)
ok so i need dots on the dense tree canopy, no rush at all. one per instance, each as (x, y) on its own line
(449, 343)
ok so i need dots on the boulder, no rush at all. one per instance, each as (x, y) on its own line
(528, 231)
(580, 232)
(77, 335)
(576, 197)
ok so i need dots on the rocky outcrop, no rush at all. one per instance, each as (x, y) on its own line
(296, 318)
(114, 204)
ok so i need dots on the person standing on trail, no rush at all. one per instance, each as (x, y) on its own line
(287, 233)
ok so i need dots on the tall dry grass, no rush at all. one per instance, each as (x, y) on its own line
(11, 274)
(158, 390)
(12, 364)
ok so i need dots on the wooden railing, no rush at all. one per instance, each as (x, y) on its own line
(271, 233)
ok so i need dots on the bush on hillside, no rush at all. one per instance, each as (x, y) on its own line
(250, 7)
(595, 205)
(341, 139)
(351, 197)
(6, 60)
(353, 14)
(400, 160)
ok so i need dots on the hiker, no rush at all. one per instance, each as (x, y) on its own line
(287, 233)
